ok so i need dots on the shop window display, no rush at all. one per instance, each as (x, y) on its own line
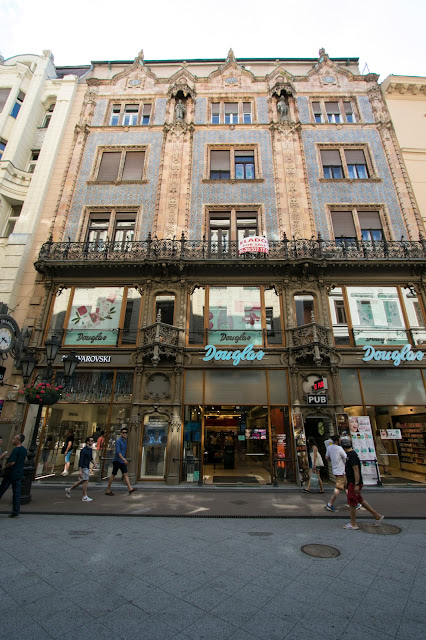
(154, 447)
(95, 402)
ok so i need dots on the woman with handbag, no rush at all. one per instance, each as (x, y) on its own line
(315, 464)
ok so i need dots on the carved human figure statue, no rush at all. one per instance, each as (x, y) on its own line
(282, 108)
(180, 111)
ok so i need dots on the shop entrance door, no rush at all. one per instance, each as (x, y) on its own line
(236, 445)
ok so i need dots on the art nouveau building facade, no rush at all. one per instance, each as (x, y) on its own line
(219, 353)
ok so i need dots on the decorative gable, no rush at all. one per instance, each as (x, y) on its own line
(231, 73)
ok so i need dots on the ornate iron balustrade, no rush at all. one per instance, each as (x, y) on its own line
(153, 249)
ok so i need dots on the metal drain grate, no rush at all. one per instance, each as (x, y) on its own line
(320, 551)
(381, 529)
(260, 534)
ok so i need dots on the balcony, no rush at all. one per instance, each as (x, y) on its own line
(152, 253)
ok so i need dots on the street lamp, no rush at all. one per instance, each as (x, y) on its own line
(29, 362)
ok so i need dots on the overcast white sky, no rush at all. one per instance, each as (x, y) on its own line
(388, 35)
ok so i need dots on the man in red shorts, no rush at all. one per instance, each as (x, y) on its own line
(354, 481)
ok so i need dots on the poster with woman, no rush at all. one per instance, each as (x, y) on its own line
(363, 445)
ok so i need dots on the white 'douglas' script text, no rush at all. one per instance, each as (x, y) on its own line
(404, 355)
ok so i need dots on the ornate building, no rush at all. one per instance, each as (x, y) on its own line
(236, 257)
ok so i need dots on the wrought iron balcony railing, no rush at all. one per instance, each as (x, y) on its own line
(153, 249)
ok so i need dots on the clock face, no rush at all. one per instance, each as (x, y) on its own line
(6, 339)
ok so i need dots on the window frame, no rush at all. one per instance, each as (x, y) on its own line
(113, 214)
(356, 209)
(66, 321)
(121, 113)
(264, 326)
(19, 101)
(235, 212)
(342, 149)
(241, 114)
(48, 116)
(406, 325)
(11, 220)
(249, 148)
(3, 144)
(343, 116)
(123, 149)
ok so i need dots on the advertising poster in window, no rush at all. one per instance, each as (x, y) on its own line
(95, 317)
(363, 445)
(235, 316)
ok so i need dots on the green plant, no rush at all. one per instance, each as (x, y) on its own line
(42, 393)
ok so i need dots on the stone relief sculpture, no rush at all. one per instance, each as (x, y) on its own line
(180, 111)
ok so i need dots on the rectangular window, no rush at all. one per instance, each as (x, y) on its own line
(273, 318)
(231, 112)
(371, 226)
(349, 164)
(220, 165)
(121, 166)
(15, 212)
(244, 165)
(48, 116)
(18, 104)
(343, 226)
(4, 94)
(146, 114)
(349, 111)
(216, 113)
(130, 114)
(246, 225)
(232, 164)
(357, 166)
(2, 147)
(304, 309)
(335, 111)
(331, 164)
(376, 316)
(119, 227)
(220, 233)
(131, 317)
(316, 108)
(235, 315)
(234, 225)
(247, 113)
(94, 317)
(33, 161)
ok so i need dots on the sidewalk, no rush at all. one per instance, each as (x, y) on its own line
(267, 502)
(68, 577)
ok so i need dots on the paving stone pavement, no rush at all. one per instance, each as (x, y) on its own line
(117, 577)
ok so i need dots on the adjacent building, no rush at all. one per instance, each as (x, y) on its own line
(237, 259)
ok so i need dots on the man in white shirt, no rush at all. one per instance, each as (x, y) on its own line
(337, 456)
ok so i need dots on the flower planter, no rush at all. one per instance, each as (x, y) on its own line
(42, 393)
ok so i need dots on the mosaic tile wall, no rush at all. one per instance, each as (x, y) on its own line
(238, 193)
(160, 111)
(133, 195)
(323, 193)
(200, 110)
(99, 113)
(262, 110)
(303, 106)
(367, 114)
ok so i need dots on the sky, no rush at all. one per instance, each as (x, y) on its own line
(387, 36)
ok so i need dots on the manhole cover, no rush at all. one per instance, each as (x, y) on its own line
(381, 529)
(238, 502)
(260, 534)
(80, 533)
(320, 551)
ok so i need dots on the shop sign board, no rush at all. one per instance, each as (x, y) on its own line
(403, 355)
(253, 244)
(91, 358)
(317, 399)
(236, 356)
(390, 434)
(363, 444)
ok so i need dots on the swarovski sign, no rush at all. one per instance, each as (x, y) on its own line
(404, 355)
(236, 356)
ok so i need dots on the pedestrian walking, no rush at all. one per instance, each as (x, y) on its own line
(67, 451)
(337, 457)
(354, 483)
(315, 464)
(120, 463)
(86, 458)
(100, 443)
(12, 473)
